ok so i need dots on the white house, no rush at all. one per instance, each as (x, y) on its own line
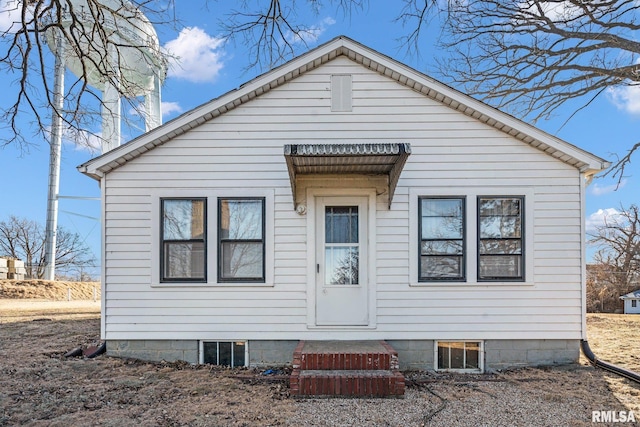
(345, 196)
(631, 302)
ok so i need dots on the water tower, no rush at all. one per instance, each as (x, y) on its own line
(115, 49)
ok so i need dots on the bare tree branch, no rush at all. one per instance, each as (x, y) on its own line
(26, 57)
(270, 29)
(530, 57)
(617, 170)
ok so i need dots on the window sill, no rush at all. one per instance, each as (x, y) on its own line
(460, 371)
(468, 284)
(341, 327)
(183, 285)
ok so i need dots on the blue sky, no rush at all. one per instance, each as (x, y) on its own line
(210, 66)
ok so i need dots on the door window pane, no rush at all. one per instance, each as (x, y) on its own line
(341, 224)
(342, 250)
(341, 265)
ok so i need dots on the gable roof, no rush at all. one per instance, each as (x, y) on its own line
(632, 295)
(586, 162)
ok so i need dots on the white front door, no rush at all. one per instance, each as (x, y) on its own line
(341, 261)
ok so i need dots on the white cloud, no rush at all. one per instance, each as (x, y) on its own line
(554, 10)
(198, 56)
(313, 33)
(626, 98)
(559, 11)
(83, 140)
(80, 139)
(169, 108)
(598, 190)
(601, 216)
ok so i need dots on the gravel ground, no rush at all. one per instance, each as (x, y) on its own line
(527, 397)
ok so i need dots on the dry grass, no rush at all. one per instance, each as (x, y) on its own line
(39, 387)
(615, 338)
(48, 290)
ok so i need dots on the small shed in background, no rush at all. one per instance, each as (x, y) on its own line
(631, 302)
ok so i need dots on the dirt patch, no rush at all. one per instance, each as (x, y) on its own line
(39, 387)
(49, 290)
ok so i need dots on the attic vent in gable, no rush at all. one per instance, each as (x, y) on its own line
(341, 92)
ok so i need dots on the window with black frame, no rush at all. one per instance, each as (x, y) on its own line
(500, 238)
(442, 239)
(183, 234)
(241, 243)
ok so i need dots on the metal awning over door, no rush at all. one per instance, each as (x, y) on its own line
(366, 159)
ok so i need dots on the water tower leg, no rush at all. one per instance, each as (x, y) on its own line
(153, 109)
(54, 162)
(111, 106)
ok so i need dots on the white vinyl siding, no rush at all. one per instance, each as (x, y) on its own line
(242, 150)
(631, 306)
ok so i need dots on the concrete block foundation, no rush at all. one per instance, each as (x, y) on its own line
(155, 350)
(503, 354)
(271, 353)
(412, 354)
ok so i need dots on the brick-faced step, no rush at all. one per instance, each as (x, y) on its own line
(338, 355)
(351, 383)
(345, 361)
(346, 368)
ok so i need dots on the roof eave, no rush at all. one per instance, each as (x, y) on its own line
(562, 150)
